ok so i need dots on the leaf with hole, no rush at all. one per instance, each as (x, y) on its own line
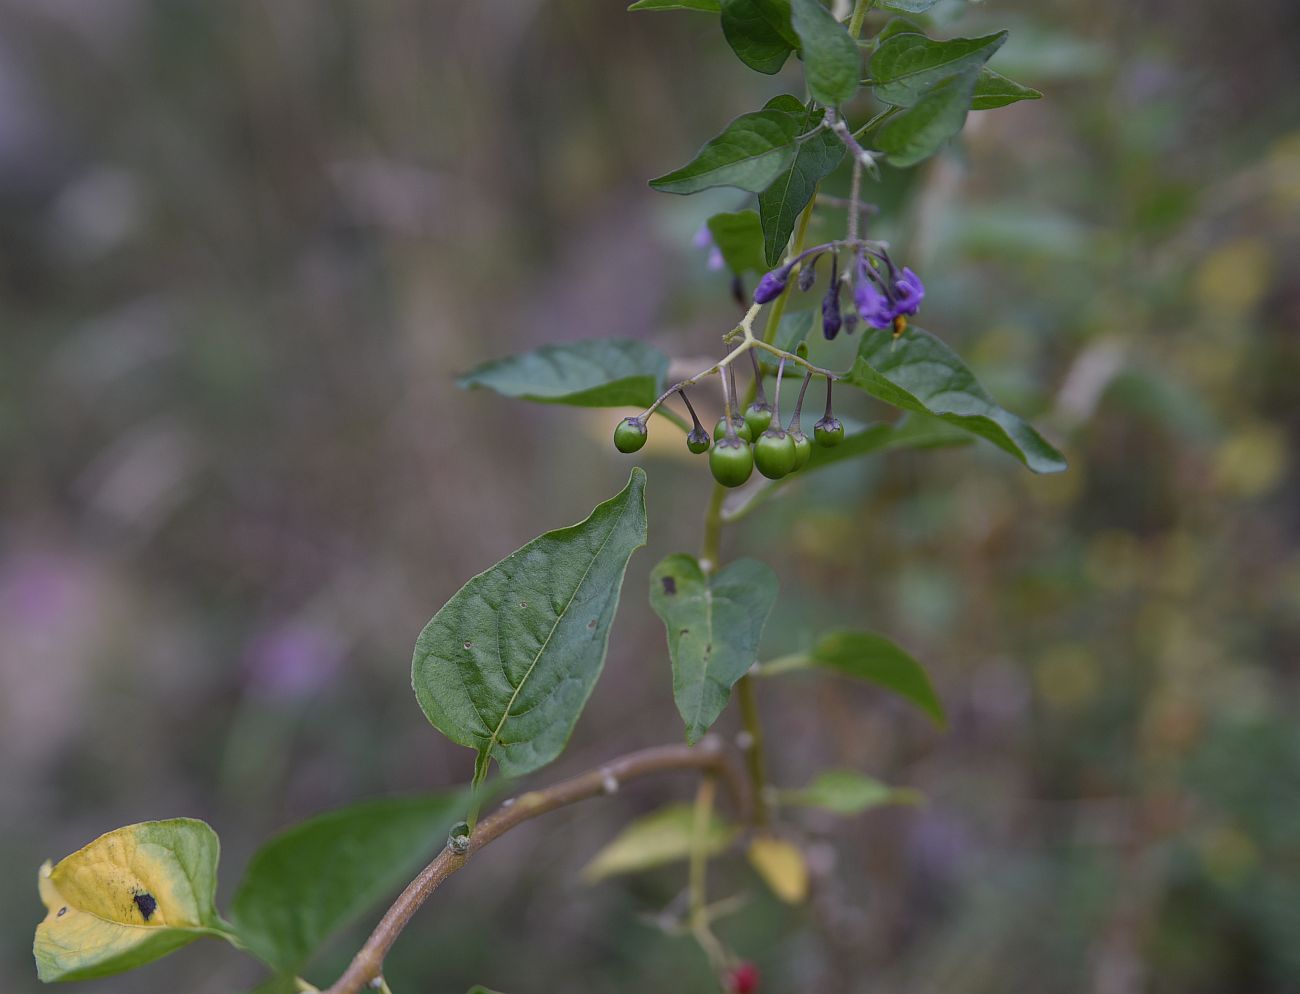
(506, 666)
(595, 373)
(750, 153)
(129, 897)
(832, 64)
(314, 878)
(917, 372)
(657, 839)
(714, 624)
(759, 32)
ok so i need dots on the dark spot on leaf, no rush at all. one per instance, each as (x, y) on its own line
(592, 624)
(62, 912)
(684, 631)
(469, 645)
(670, 586)
(523, 603)
(146, 904)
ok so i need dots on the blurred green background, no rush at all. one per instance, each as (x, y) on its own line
(244, 249)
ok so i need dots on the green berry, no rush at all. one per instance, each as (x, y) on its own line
(774, 454)
(698, 440)
(630, 435)
(829, 431)
(731, 461)
(758, 416)
(742, 429)
(802, 448)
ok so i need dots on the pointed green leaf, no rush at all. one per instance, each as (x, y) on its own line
(912, 431)
(479, 988)
(794, 328)
(597, 373)
(907, 66)
(759, 32)
(831, 61)
(925, 127)
(919, 373)
(313, 879)
(660, 838)
(739, 238)
(752, 151)
(872, 657)
(714, 624)
(707, 6)
(129, 897)
(993, 90)
(846, 792)
(508, 663)
(780, 205)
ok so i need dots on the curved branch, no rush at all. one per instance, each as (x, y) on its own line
(707, 757)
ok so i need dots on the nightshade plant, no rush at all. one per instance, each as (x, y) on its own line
(506, 666)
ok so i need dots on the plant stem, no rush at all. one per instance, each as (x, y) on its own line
(859, 14)
(708, 757)
(699, 868)
(711, 550)
(754, 747)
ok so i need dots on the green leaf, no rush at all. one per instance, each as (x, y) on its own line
(739, 238)
(129, 897)
(794, 328)
(657, 839)
(714, 623)
(907, 66)
(752, 151)
(313, 879)
(921, 130)
(907, 6)
(597, 373)
(479, 988)
(872, 657)
(912, 431)
(917, 372)
(759, 32)
(508, 663)
(846, 792)
(831, 61)
(780, 205)
(993, 90)
(707, 6)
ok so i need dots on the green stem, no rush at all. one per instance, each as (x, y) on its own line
(778, 306)
(859, 15)
(699, 868)
(754, 748)
(711, 550)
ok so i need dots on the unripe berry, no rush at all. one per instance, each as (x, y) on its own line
(758, 416)
(630, 435)
(742, 429)
(802, 448)
(742, 979)
(731, 461)
(829, 431)
(698, 440)
(774, 454)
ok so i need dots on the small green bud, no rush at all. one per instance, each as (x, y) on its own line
(742, 429)
(758, 416)
(829, 431)
(774, 454)
(731, 461)
(698, 440)
(630, 435)
(802, 448)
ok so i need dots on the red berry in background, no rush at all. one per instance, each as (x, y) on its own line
(742, 979)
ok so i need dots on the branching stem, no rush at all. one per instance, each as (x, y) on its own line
(708, 757)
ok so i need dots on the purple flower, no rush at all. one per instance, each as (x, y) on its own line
(772, 285)
(873, 306)
(704, 240)
(909, 291)
(831, 320)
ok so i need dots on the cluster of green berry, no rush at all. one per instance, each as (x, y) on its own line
(754, 439)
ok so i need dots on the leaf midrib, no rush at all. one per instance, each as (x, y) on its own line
(495, 739)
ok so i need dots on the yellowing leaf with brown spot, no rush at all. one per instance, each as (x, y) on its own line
(129, 897)
(782, 867)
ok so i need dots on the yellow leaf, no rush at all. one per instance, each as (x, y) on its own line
(655, 840)
(782, 867)
(127, 898)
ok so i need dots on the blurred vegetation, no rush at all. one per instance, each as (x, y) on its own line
(244, 247)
